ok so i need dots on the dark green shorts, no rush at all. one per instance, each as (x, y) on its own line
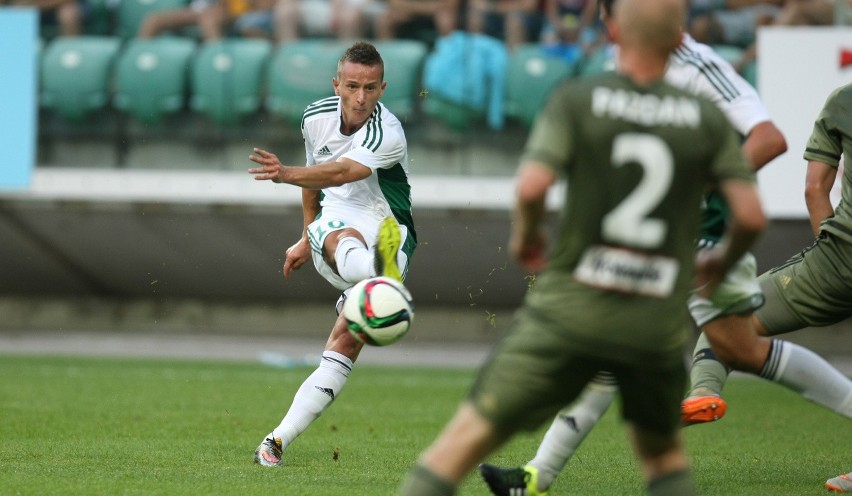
(537, 370)
(812, 289)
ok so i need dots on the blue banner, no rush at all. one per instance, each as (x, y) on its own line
(19, 44)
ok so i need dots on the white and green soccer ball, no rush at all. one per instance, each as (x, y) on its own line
(378, 311)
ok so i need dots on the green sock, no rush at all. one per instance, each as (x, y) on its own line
(422, 482)
(677, 483)
(707, 371)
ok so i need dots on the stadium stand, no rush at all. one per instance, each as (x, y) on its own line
(227, 78)
(131, 13)
(152, 77)
(530, 77)
(76, 74)
(300, 73)
(403, 67)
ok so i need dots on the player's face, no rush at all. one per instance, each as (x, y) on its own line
(359, 88)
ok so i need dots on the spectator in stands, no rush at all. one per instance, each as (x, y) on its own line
(247, 18)
(570, 28)
(733, 22)
(346, 19)
(65, 15)
(421, 19)
(514, 21)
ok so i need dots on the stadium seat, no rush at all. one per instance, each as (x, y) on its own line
(531, 75)
(227, 78)
(151, 77)
(131, 13)
(403, 66)
(300, 73)
(730, 53)
(597, 62)
(75, 75)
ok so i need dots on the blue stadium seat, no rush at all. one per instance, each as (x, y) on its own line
(403, 67)
(227, 78)
(75, 75)
(300, 73)
(531, 75)
(151, 77)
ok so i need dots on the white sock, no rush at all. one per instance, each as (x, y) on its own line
(808, 374)
(314, 396)
(354, 260)
(570, 427)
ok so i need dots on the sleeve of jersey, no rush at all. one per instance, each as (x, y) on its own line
(306, 137)
(550, 139)
(733, 95)
(823, 145)
(377, 150)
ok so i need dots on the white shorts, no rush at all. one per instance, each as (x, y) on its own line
(330, 220)
(739, 293)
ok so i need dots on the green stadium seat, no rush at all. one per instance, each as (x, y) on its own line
(730, 53)
(151, 77)
(596, 62)
(75, 75)
(227, 78)
(403, 67)
(300, 73)
(531, 75)
(131, 13)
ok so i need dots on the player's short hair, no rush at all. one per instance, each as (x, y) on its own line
(362, 53)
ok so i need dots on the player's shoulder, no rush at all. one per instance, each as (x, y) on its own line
(695, 54)
(327, 108)
(384, 117)
(843, 95)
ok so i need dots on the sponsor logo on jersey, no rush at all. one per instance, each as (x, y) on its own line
(324, 151)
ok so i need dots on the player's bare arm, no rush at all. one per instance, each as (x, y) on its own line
(764, 143)
(527, 244)
(818, 183)
(318, 176)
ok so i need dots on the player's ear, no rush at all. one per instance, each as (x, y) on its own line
(336, 83)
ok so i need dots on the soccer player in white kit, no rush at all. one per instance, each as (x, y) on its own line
(356, 202)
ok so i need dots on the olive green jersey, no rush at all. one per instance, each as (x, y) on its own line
(831, 137)
(637, 160)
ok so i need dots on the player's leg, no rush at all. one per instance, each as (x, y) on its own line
(466, 440)
(346, 248)
(651, 396)
(560, 442)
(725, 325)
(533, 372)
(315, 394)
(812, 289)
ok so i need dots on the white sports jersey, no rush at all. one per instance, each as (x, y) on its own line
(379, 144)
(696, 68)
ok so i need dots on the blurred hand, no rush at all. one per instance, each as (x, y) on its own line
(529, 253)
(296, 256)
(710, 270)
(271, 168)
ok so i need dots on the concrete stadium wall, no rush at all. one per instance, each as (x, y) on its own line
(118, 250)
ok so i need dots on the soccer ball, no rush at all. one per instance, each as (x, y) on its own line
(378, 311)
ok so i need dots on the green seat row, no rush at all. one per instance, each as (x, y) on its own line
(225, 80)
(236, 77)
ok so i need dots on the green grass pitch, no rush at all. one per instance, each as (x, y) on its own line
(138, 426)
